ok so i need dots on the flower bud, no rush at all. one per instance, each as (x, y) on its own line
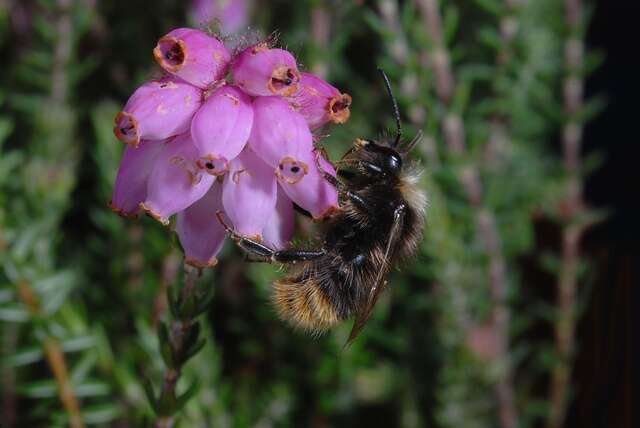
(175, 181)
(199, 232)
(319, 102)
(263, 71)
(281, 137)
(131, 183)
(157, 110)
(221, 128)
(193, 55)
(249, 194)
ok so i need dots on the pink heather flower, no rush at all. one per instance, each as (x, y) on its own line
(249, 194)
(319, 102)
(278, 231)
(193, 55)
(232, 15)
(259, 70)
(281, 137)
(157, 110)
(175, 181)
(199, 232)
(131, 183)
(221, 127)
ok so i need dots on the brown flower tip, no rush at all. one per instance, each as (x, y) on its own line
(122, 213)
(213, 165)
(339, 108)
(284, 81)
(192, 261)
(153, 214)
(126, 128)
(170, 53)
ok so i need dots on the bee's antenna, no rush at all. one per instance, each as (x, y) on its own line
(396, 111)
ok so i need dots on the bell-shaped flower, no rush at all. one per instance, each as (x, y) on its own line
(221, 128)
(319, 102)
(249, 194)
(193, 55)
(281, 137)
(131, 182)
(278, 231)
(259, 70)
(157, 110)
(175, 181)
(198, 229)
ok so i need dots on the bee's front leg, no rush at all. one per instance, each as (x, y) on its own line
(258, 252)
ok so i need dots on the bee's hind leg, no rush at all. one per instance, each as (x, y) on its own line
(258, 252)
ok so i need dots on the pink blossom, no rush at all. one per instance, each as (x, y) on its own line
(199, 232)
(221, 128)
(157, 110)
(249, 194)
(259, 70)
(193, 55)
(175, 181)
(282, 138)
(199, 143)
(131, 183)
(319, 102)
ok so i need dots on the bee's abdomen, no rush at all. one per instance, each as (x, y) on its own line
(304, 304)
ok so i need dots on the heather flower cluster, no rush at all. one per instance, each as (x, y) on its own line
(225, 131)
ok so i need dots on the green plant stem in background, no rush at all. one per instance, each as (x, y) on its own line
(55, 358)
(179, 341)
(572, 214)
(469, 178)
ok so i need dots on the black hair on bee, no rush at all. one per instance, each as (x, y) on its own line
(380, 222)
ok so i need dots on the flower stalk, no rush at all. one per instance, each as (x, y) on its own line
(179, 341)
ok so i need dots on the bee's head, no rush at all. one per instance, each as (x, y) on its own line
(378, 160)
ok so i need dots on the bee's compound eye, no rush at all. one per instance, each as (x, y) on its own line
(394, 162)
(291, 170)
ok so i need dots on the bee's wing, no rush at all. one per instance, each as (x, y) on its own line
(379, 283)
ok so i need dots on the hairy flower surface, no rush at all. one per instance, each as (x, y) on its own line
(202, 141)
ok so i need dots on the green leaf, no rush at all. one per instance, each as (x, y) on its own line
(23, 357)
(13, 313)
(151, 395)
(186, 396)
(100, 413)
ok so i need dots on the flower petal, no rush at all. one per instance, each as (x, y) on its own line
(199, 231)
(249, 194)
(221, 128)
(157, 110)
(131, 183)
(311, 191)
(232, 15)
(278, 131)
(193, 55)
(319, 102)
(175, 181)
(278, 231)
(263, 71)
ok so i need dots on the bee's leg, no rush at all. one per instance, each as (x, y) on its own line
(258, 252)
(341, 187)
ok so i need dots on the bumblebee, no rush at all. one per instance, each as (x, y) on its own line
(380, 222)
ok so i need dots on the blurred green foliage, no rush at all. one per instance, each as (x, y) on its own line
(98, 282)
